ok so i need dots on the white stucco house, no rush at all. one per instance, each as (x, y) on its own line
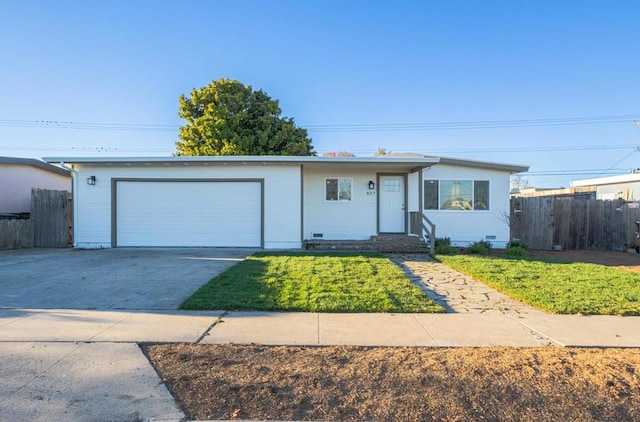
(281, 201)
(19, 175)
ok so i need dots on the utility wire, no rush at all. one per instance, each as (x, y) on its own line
(618, 162)
(375, 127)
(430, 152)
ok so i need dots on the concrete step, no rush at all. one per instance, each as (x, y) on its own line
(382, 243)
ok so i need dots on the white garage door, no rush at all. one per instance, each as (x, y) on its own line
(190, 213)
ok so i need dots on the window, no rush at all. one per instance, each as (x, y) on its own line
(337, 189)
(430, 194)
(391, 185)
(455, 195)
(462, 195)
(481, 195)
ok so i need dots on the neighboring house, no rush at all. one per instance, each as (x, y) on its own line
(279, 202)
(19, 175)
(626, 186)
(574, 192)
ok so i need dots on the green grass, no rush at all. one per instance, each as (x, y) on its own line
(556, 286)
(313, 282)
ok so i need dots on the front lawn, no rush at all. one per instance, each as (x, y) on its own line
(313, 282)
(555, 286)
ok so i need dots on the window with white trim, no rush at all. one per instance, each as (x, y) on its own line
(463, 195)
(337, 189)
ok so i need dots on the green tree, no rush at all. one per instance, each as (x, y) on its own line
(228, 117)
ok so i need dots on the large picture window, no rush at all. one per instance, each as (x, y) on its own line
(463, 195)
(337, 189)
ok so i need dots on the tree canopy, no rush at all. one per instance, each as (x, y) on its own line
(228, 117)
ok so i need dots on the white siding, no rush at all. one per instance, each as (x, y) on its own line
(354, 220)
(464, 227)
(282, 214)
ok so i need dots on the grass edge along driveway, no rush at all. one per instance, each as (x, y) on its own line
(556, 286)
(313, 282)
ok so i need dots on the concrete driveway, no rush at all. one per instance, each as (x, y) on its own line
(122, 278)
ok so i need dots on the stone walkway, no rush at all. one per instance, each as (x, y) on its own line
(456, 292)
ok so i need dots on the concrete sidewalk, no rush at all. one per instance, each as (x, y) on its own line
(490, 328)
(81, 382)
(86, 365)
(76, 365)
(71, 325)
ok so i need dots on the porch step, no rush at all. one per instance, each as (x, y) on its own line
(381, 243)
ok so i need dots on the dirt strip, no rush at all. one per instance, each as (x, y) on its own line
(410, 384)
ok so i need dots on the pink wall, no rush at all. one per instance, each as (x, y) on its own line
(16, 182)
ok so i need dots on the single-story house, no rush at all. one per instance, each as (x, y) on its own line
(281, 201)
(19, 175)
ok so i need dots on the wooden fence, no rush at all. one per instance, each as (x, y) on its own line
(573, 223)
(51, 215)
(49, 225)
(16, 233)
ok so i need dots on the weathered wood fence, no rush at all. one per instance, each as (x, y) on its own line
(573, 223)
(49, 224)
(16, 233)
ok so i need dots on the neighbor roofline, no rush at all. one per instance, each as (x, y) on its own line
(607, 180)
(35, 163)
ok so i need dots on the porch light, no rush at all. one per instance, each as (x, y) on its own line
(372, 185)
(91, 180)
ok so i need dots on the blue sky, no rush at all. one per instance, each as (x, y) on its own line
(358, 74)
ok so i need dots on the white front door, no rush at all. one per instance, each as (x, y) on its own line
(392, 203)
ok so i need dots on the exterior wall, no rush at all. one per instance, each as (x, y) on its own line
(465, 227)
(17, 180)
(354, 220)
(629, 191)
(282, 214)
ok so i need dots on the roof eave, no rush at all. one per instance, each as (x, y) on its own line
(35, 163)
(244, 159)
(511, 168)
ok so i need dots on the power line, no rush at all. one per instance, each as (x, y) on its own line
(54, 124)
(575, 173)
(570, 148)
(493, 124)
(365, 127)
(618, 162)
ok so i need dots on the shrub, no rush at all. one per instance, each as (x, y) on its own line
(443, 247)
(516, 251)
(516, 244)
(482, 247)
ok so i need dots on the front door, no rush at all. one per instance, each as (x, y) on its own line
(392, 204)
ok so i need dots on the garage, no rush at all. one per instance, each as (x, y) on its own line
(194, 212)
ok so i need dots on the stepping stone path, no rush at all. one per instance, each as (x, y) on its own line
(456, 292)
